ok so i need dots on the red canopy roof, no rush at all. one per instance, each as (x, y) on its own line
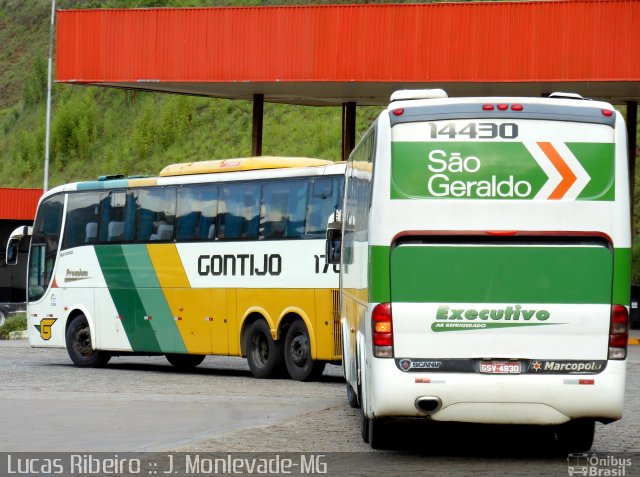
(332, 54)
(19, 204)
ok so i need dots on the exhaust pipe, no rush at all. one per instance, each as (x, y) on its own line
(428, 404)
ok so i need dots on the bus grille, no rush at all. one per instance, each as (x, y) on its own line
(337, 328)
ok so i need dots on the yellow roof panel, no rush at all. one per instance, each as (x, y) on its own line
(241, 164)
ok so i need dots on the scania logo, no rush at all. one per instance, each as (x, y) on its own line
(405, 364)
(417, 365)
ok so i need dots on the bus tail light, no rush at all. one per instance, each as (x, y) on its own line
(618, 332)
(381, 324)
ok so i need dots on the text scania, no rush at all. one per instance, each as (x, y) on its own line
(441, 185)
(509, 313)
(241, 264)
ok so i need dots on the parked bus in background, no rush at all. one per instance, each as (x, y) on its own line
(217, 257)
(484, 251)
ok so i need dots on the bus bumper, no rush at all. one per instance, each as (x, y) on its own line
(496, 399)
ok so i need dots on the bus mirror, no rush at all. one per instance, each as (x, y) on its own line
(332, 252)
(334, 237)
(11, 257)
(12, 251)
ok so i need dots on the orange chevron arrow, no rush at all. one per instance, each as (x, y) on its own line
(568, 177)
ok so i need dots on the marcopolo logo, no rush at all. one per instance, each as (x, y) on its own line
(566, 367)
(454, 319)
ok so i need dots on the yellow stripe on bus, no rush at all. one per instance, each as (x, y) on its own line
(190, 307)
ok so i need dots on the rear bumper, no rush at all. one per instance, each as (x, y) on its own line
(496, 399)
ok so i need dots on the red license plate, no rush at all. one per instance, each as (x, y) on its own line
(500, 367)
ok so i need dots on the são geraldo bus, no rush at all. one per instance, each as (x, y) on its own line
(214, 257)
(484, 246)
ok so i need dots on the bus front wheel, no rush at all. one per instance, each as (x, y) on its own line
(79, 346)
(264, 354)
(184, 361)
(297, 354)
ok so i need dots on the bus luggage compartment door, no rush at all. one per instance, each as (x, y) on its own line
(509, 299)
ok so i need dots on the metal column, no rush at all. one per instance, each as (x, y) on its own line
(256, 130)
(348, 129)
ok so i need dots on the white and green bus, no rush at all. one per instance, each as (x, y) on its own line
(210, 258)
(484, 247)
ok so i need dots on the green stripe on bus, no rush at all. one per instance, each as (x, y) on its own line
(379, 274)
(598, 161)
(494, 170)
(622, 276)
(127, 301)
(490, 170)
(153, 299)
(501, 274)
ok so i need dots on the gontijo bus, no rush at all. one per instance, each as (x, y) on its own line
(485, 263)
(217, 257)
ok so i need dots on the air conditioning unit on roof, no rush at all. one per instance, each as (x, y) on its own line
(408, 94)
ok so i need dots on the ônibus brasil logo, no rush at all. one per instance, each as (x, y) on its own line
(456, 319)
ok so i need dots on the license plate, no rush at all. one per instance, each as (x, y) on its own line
(500, 367)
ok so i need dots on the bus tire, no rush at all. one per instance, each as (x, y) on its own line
(377, 437)
(297, 354)
(184, 361)
(264, 354)
(575, 436)
(364, 429)
(79, 346)
(352, 397)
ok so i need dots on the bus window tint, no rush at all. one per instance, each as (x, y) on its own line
(284, 208)
(197, 212)
(44, 246)
(81, 225)
(326, 195)
(156, 214)
(239, 213)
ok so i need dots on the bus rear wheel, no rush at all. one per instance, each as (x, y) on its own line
(185, 361)
(264, 354)
(373, 433)
(79, 346)
(297, 354)
(575, 436)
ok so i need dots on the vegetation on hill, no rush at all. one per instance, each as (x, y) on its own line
(97, 131)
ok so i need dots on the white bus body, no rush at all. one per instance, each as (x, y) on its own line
(211, 258)
(485, 264)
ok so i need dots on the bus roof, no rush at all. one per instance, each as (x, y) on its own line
(240, 164)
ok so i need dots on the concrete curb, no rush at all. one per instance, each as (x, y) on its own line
(19, 335)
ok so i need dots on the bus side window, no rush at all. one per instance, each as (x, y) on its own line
(156, 213)
(117, 217)
(239, 216)
(197, 212)
(325, 199)
(81, 223)
(285, 203)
